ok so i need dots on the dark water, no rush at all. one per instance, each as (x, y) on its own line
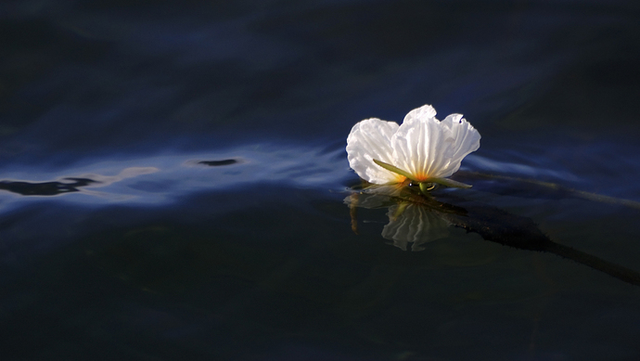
(173, 180)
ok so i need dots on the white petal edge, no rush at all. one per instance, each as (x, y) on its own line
(464, 140)
(371, 139)
(423, 112)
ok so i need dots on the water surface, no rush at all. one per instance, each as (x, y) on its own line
(173, 180)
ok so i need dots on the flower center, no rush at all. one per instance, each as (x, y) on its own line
(422, 177)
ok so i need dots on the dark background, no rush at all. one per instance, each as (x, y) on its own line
(160, 257)
(88, 77)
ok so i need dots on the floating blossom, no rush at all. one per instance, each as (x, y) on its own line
(422, 149)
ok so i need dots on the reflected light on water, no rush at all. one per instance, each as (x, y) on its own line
(159, 179)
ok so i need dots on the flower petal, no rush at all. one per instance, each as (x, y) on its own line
(428, 148)
(423, 112)
(417, 144)
(462, 138)
(370, 139)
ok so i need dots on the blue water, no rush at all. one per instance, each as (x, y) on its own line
(174, 184)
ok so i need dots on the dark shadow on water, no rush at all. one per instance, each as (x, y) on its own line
(217, 163)
(45, 188)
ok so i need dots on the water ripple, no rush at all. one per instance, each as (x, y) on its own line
(160, 179)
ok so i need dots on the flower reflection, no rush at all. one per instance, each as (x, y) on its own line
(422, 149)
(412, 225)
(414, 219)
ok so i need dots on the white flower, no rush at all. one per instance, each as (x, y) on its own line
(422, 149)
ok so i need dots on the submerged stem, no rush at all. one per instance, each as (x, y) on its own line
(449, 183)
